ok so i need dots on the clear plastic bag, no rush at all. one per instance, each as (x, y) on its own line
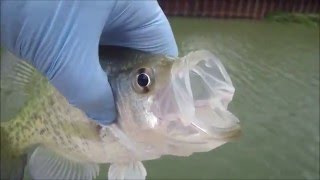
(196, 100)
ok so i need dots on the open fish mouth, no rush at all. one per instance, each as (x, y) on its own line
(192, 109)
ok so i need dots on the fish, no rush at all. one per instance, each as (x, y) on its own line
(165, 105)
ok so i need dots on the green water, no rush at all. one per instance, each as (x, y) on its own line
(275, 70)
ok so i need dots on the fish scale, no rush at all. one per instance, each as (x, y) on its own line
(46, 122)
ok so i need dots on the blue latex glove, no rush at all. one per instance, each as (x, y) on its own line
(61, 40)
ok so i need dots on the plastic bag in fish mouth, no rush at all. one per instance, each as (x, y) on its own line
(193, 107)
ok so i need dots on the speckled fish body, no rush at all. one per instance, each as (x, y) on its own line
(163, 117)
(48, 119)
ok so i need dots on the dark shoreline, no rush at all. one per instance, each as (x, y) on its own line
(239, 9)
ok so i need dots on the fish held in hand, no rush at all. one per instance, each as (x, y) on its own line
(166, 106)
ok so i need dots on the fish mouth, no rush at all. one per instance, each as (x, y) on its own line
(193, 108)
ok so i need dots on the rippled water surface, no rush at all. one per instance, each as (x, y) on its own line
(275, 70)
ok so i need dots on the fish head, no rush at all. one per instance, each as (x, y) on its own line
(174, 106)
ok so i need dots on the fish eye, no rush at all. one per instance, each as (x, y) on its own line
(143, 79)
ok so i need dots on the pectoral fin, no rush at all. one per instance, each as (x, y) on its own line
(46, 164)
(131, 170)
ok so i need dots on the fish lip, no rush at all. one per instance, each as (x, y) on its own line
(232, 134)
(187, 145)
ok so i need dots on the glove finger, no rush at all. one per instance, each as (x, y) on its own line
(60, 39)
(141, 25)
(86, 86)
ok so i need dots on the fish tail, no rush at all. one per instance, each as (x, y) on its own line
(13, 161)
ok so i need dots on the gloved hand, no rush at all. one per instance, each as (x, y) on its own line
(61, 38)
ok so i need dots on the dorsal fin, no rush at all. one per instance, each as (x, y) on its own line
(20, 82)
